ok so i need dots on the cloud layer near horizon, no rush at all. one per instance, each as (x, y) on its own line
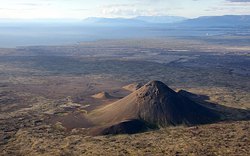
(122, 8)
(238, 0)
(31, 4)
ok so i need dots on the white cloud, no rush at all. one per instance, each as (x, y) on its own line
(15, 9)
(118, 11)
(30, 4)
(79, 9)
(238, 0)
(220, 8)
(236, 4)
(134, 12)
(229, 10)
(106, 5)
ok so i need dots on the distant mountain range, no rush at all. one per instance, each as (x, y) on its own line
(175, 20)
(218, 20)
(161, 19)
(135, 20)
(146, 20)
(120, 21)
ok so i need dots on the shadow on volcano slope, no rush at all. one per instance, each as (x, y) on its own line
(153, 105)
(227, 113)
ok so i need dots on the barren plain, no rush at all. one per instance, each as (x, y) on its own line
(46, 92)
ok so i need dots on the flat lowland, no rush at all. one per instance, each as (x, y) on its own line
(46, 95)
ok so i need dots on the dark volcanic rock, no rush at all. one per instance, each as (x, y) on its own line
(187, 94)
(126, 127)
(158, 103)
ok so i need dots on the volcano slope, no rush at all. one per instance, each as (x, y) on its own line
(153, 105)
(104, 95)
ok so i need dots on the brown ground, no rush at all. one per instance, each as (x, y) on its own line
(44, 99)
(230, 138)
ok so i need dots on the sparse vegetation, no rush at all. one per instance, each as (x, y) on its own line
(37, 92)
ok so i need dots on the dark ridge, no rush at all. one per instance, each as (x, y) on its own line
(126, 127)
(187, 94)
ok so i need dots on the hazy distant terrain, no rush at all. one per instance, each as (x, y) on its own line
(47, 91)
(19, 32)
(28, 35)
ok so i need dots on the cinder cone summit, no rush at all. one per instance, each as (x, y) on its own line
(102, 95)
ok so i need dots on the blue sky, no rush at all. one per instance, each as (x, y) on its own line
(28, 9)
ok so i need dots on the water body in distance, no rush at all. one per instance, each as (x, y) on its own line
(13, 35)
